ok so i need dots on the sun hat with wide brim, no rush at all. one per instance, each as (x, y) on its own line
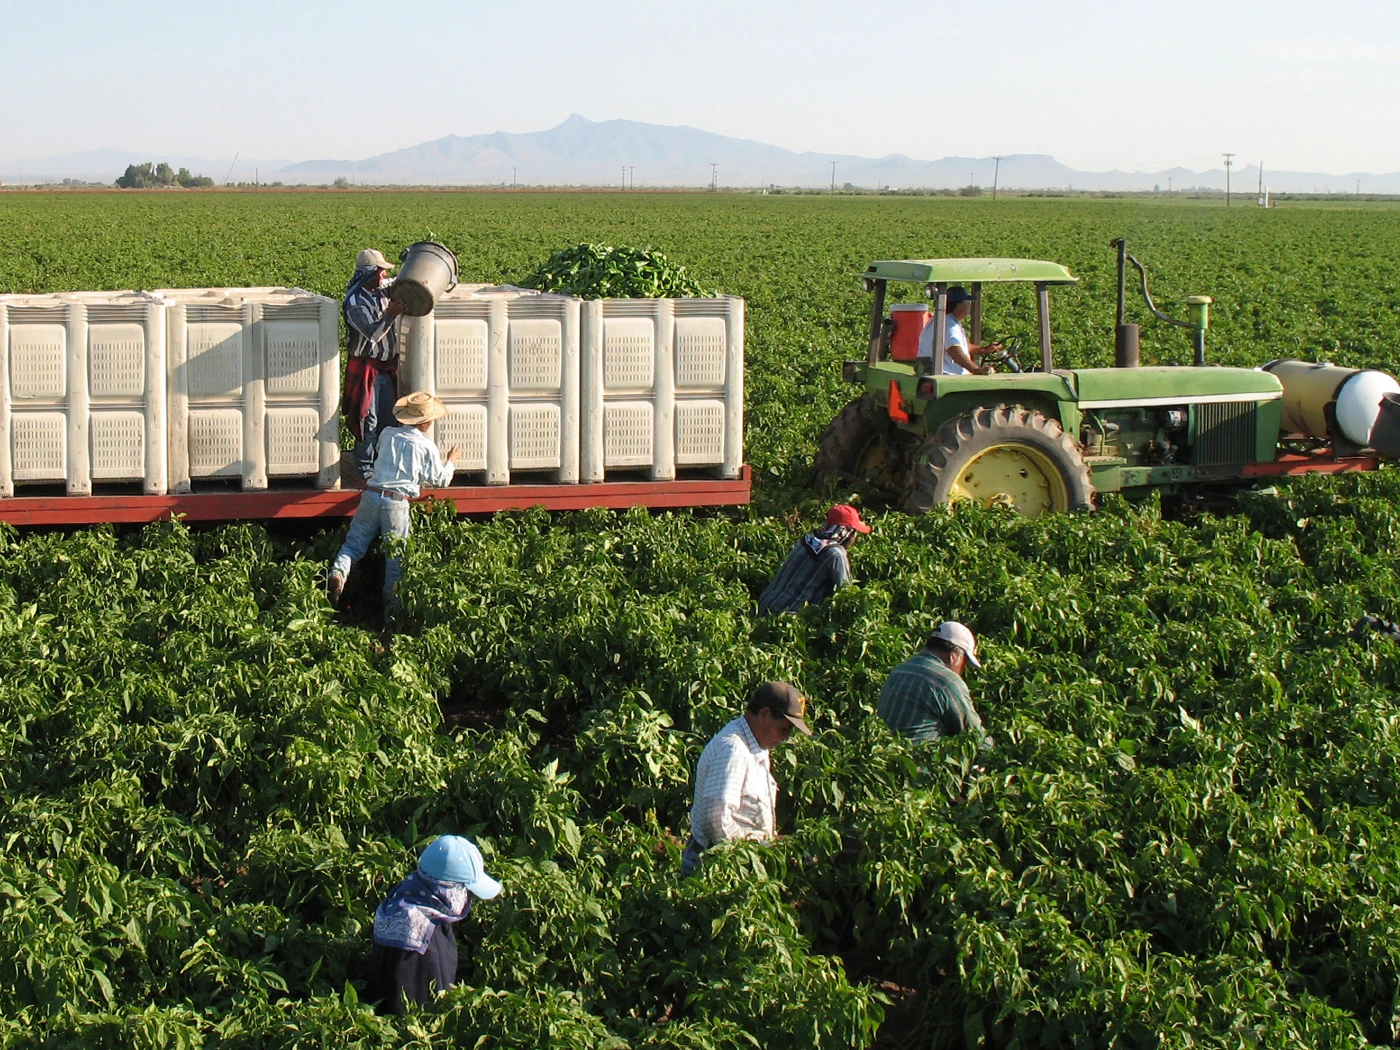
(418, 407)
(372, 257)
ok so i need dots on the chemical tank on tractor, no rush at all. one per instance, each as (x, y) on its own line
(932, 426)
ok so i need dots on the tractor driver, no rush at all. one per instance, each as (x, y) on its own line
(958, 353)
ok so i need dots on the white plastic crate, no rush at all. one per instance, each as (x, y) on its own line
(253, 385)
(506, 363)
(662, 386)
(82, 390)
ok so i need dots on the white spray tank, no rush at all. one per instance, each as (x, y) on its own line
(1328, 402)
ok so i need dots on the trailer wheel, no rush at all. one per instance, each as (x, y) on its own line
(1006, 456)
(861, 444)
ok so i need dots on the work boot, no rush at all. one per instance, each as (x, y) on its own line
(335, 586)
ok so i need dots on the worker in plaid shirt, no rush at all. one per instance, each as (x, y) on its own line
(736, 796)
(925, 697)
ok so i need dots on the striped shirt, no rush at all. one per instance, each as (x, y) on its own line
(735, 793)
(806, 577)
(923, 699)
(406, 459)
(368, 333)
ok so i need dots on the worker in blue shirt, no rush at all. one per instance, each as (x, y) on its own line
(407, 459)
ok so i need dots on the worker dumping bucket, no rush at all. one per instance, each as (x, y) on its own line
(1351, 397)
(428, 270)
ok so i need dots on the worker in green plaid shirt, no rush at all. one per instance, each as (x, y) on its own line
(925, 697)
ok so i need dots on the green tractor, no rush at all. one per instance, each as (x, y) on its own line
(1040, 439)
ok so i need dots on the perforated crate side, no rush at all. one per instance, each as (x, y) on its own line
(534, 436)
(464, 426)
(118, 445)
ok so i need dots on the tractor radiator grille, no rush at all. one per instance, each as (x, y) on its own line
(1225, 433)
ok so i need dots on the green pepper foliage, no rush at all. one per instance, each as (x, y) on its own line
(600, 271)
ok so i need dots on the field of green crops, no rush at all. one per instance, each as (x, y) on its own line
(1188, 834)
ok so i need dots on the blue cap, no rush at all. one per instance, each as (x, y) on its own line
(451, 858)
(958, 294)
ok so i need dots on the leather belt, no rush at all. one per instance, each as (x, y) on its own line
(399, 496)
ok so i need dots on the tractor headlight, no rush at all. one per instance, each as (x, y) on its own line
(931, 290)
(848, 371)
(867, 284)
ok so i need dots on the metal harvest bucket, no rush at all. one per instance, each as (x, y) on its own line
(1385, 434)
(429, 270)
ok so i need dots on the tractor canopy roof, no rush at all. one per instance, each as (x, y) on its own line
(968, 271)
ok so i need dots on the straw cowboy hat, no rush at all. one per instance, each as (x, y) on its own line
(418, 407)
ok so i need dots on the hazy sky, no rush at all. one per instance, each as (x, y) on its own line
(1302, 86)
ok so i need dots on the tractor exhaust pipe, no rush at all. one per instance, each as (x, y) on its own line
(1125, 346)
(1126, 351)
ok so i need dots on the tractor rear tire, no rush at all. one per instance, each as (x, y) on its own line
(861, 444)
(1006, 455)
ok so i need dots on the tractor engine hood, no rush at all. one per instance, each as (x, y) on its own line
(1144, 387)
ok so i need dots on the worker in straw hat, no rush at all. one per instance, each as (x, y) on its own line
(371, 372)
(925, 697)
(407, 459)
(818, 564)
(415, 951)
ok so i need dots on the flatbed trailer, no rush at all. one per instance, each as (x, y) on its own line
(306, 503)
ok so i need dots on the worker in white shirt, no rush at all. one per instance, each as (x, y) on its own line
(735, 793)
(958, 353)
(405, 459)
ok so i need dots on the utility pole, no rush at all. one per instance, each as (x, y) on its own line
(833, 176)
(714, 177)
(512, 178)
(624, 178)
(1169, 185)
(255, 176)
(1229, 163)
(996, 172)
(1261, 180)
(632, 176)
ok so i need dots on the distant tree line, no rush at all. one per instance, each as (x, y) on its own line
(146, 176)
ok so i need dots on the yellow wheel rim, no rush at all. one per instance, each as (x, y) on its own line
(876, 465)
(1012, 476)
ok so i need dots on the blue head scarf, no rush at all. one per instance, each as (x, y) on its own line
(408, 915)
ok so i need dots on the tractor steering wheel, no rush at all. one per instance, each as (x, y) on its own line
(1009, 354)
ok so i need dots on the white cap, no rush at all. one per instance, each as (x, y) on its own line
(955, 633)
(372, 257)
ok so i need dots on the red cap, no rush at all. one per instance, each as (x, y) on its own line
(845, 514)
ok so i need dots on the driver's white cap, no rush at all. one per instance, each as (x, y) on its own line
(955, 633)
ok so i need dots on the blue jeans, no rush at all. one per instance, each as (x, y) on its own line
(379, 416)
(690, 859)
(376, 516)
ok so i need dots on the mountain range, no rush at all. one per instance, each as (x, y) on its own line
(582, 152)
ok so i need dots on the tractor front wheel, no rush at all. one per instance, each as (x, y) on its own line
(1006, 456)
(861, 444)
